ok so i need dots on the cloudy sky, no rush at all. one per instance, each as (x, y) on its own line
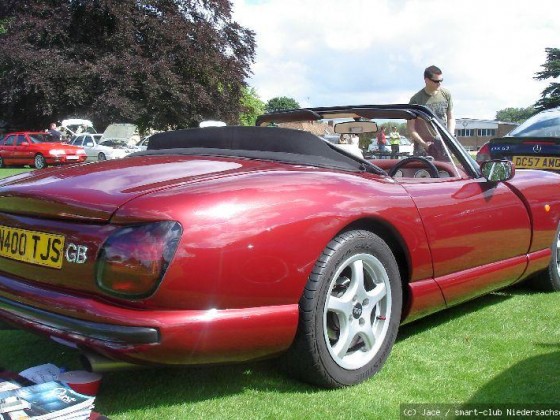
(341, 52)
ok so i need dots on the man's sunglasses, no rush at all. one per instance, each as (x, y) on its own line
(437, 81)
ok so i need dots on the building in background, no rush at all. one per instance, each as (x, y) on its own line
(472, 133)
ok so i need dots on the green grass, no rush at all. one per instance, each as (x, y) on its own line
(501, 348)
(4, 172)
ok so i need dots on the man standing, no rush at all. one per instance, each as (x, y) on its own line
(381, 142)
(395, 141)
(438, 100)
(56, 135)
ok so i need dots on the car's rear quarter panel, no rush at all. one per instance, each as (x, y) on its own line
(252, 240)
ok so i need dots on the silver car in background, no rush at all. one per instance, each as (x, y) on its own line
(97, 149)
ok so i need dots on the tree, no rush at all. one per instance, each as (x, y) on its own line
(515, 115)
(251, 107)
(160, 64)
(550, 97)
(280, 104)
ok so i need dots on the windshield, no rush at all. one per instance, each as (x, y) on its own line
(405, 141)
(544, 124)
(42, 138)
(115, 143)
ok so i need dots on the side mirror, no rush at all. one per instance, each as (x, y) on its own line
(497, 170)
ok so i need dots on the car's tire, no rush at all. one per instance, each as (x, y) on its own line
(1, 162)
(349, 312)
(549, 279)
(101, 156)
(40, 161)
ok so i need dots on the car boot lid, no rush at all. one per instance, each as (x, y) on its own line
(95, 191)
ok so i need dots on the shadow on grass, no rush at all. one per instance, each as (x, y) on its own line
(151, 388)
(161, 387)
(535, 380)
(463, 309)
(144, 388)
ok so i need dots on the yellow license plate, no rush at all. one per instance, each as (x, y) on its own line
(537, 162)
(39, 248)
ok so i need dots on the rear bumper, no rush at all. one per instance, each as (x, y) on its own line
(160, 337)
(126, 335)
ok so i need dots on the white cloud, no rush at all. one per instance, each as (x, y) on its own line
(332, 52)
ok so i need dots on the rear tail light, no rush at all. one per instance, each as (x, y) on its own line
(483, 153)
(134, 259)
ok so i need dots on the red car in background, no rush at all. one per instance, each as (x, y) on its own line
(37, 149)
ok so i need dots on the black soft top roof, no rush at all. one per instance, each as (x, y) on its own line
(267, 143)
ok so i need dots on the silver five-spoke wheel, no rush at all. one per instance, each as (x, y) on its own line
(358, 311)
(349, 312)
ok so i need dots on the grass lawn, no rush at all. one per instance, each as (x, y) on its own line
(502, 348)
(4, 172)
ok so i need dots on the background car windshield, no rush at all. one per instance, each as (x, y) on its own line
(545, 124)
(114, 143)
(41, 138)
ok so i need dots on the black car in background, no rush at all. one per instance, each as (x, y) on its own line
(535, 144)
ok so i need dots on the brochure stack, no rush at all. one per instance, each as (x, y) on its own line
(23, 399)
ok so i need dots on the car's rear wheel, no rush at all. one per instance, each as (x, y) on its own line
(1, 162)
(101, 156)
(549, 280)
(40, 161)
(349, 312)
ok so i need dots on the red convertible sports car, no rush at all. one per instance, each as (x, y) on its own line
(226, 244)
(37, 149)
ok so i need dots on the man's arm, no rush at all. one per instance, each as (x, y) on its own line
(414, 135)
(450, 122)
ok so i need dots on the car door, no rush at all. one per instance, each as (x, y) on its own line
(479, 232)
(90, 146)
(7, 149)
(23, 152)
(81, 141)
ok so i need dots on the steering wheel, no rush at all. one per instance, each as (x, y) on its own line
(433, 171)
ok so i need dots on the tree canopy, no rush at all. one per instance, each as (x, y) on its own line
(281, 103)
(252, 107)
(515, 115)
(550, 97)
(161, 64)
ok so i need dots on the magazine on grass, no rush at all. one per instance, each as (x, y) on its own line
(11, 380)
(48, 400)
